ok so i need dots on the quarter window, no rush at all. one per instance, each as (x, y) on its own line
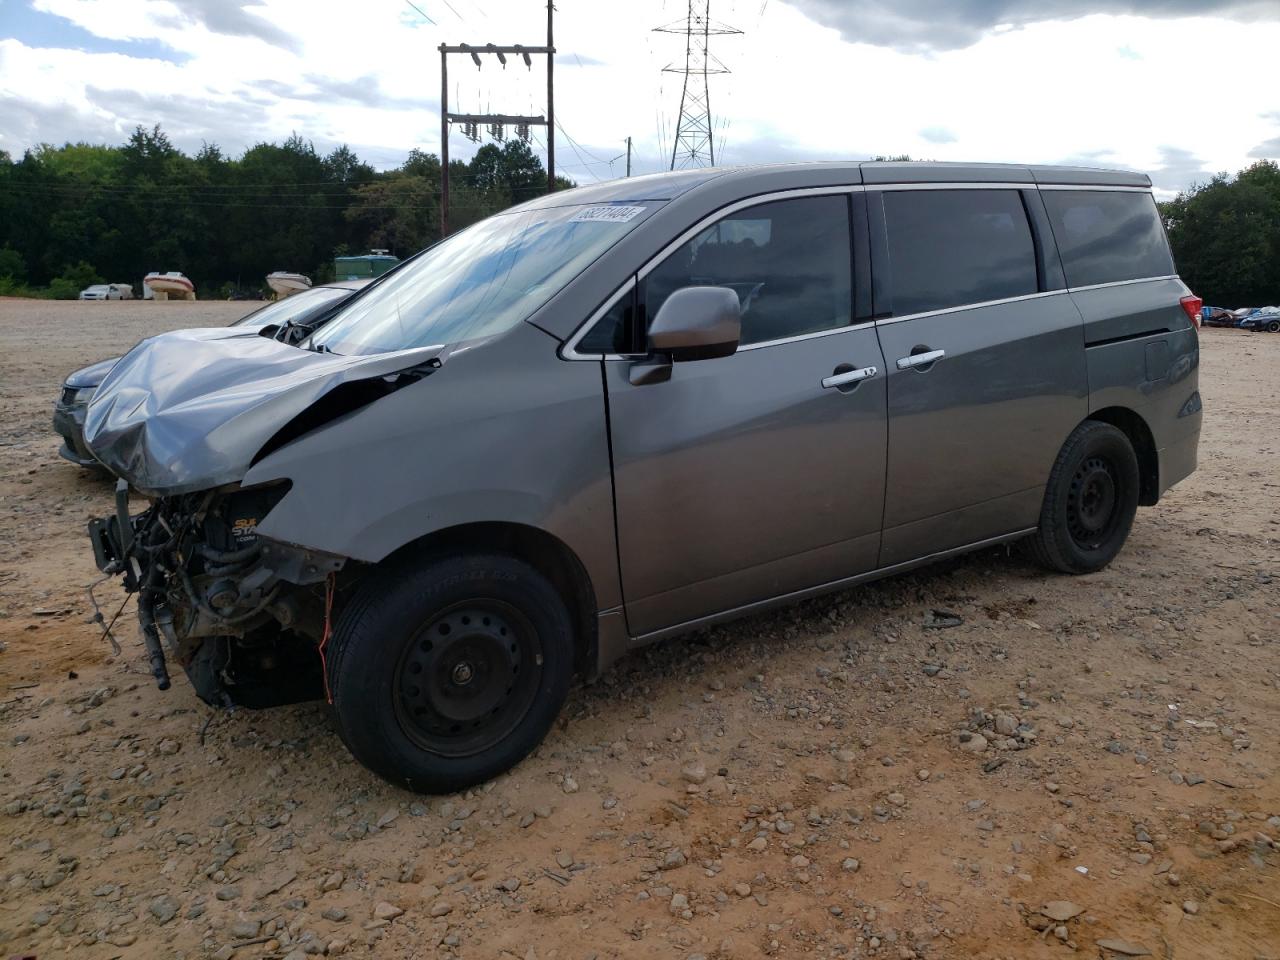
(610, 333)
(1108, 235)
(948, 248)
(789, 261)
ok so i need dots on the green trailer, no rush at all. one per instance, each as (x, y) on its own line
(372, 264)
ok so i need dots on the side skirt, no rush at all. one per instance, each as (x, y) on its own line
(611, 651)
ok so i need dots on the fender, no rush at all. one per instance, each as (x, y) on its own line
(510, 433)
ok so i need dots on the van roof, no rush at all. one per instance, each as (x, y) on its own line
(668, 186)
(919, 172)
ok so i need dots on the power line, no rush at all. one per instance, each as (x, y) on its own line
(260, 205)
(175, 192)
(581, 165)
(451, 9)
(561, 128)
(202, 186)
(186, 191)
(574, 147)
(421, 12)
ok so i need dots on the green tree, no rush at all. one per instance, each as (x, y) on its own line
(145, 205)
(419, 164)
(73, 279)
(400, 212)
(507, 174)
(1225, 236)
(343, 166)
(525, 176)
(12, 266)
(147, 153)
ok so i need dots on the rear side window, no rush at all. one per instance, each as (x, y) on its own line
(948, 248)
(1108, 235)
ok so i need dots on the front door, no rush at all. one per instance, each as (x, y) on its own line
(745, 478)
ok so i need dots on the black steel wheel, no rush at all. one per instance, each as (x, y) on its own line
(1089, 502)
(468, 677)
(447, 672)
(1093, 502)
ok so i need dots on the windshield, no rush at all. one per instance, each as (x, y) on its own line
(299, 307)
(481, 281)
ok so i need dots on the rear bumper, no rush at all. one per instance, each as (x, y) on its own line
(1178, 461)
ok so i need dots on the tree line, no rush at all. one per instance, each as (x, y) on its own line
(1225, 236)
(80, 213)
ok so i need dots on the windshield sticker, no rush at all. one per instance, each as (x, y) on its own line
(609, 214)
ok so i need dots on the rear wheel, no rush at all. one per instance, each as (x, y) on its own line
(1089, 502)
(446, 673)
(1273, 326)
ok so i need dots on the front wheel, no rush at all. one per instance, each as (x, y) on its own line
(1089, 502)
(449, 672)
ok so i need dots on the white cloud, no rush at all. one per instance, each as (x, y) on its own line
(1057, 91)
(938, 134)
(926, 25)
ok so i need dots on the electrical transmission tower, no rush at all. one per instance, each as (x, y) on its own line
(694, 144)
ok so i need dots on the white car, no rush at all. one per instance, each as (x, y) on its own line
(107, 291)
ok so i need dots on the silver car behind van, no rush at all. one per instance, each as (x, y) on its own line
(627, 411)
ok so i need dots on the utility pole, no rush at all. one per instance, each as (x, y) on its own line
(628, 156)
(694, 144)
(495, 122)
(444, 144)
(551, 105)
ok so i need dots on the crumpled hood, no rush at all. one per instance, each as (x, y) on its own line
(91, 375)
(188, 410)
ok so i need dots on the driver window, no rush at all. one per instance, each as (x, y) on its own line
(789, 261)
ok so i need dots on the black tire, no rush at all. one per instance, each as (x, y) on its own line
(1090, 501)
(447, 672)
(1273, 326)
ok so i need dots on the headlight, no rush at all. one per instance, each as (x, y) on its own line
(83, 394)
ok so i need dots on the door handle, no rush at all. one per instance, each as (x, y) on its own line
(849, 376)
(920, 359)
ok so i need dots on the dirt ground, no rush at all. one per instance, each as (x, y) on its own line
(910, 769)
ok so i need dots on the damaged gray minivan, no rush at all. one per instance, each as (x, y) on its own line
(627, 411)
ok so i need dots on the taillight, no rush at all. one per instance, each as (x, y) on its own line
(1192, 304)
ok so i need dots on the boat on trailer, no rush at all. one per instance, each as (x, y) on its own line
(285, 283)
(171, 284)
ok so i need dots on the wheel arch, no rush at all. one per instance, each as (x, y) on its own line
(543, 551)
(1133, 426)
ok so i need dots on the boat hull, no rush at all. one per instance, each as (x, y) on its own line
(165, 287)
(285, 284)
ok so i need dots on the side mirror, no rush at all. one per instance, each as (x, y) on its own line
(697, 323)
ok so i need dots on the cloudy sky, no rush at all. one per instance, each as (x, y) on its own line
(1178, 88)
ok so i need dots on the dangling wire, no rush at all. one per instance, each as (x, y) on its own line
(329, 588)
(98, 618)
